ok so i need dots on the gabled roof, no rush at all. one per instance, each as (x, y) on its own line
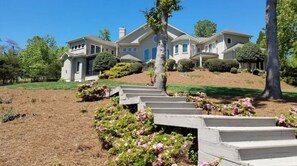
(236, 46)
(95, 39)
(129, 57)
(231, 32)
(185, 37)
(147, 33)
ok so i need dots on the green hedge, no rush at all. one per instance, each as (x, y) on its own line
(170, 64)
(221, 65)
(185, 65)
(122, 69)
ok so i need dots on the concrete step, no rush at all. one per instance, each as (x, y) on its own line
(250, 150)
(130, 95)
(169, 105)
(141, 91)
(136, 87)
(234, 134)
(227, 121)
(282, 161)
(181, 111)
(177, 120)
(162, 99)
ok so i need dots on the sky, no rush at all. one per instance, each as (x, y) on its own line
(66, 20)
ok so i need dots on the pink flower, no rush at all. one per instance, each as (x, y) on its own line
(282, 119)
(159, 147)
(204, 164)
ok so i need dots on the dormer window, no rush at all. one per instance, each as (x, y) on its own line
(75, 47)
(79, 46)
(83, 45)
(229, 41)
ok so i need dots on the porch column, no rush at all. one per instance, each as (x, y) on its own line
(200, 61)
(101, 48)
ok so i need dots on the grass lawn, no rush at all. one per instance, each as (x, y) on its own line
(209, 90)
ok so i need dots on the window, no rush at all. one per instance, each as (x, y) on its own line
(129, 49)
(92, 49)
(77, 66)
(176, 49)
(185, 48)
(83, 45)
(72, 47)
(75, 47)
(229, 41)
(134, 49)
(124, 49)
(98, 49)
(112, 52)
(79, 46)
(106, 49)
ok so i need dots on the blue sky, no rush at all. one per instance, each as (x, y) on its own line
(70, 19)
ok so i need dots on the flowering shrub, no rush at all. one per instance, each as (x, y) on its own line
(91, 91)
(242, 107)
(213, 163)
(133, 138)
(288, 119)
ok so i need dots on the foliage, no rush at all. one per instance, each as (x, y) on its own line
(136, 67)
(184, 65)
(249, 53)
(41, 59)
(220, 65)
(288, 119)
(234, 70)
(104, 61)
(9, 115)
(150, 64)
(242, 107)
(104, 34)
(259, 72)
(133, 138)
(151, 72)
(91, 91)
(213, 163)
(289, 73)
(119, 70)
(170, 64)
(9, 67)
(205, 28)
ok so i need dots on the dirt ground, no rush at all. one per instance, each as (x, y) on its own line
(53, 131)
(197, 77)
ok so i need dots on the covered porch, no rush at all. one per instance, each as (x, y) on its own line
(201, 57)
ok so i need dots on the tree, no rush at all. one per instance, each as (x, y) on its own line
(272, 86)
(249, 53)
(104, 61)
(157, 20)
(205, 28)
(9, 68)
(104, 34)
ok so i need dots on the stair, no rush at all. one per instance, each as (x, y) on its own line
(240, 141)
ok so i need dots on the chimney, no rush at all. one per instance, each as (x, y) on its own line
(122, 31)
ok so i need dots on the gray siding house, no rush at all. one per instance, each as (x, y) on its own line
(140, 45)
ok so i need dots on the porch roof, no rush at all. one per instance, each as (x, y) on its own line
(204, 55)
(129, 57)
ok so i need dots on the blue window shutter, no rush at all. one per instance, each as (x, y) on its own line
(154, 53)
(146, 55)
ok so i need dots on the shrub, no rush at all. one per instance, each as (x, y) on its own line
(221, 65)
(288, 119)
(185, 65)
(9, 115)
(119, 70)
(133, 138)
(104, 61)
(258, 72)
(170, 64)
(249, 53)
(150, 64)
(289, 74)
(234, 70)
(91, 91)
(151, 72)
(136, 67)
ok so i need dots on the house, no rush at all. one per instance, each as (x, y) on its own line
(140, 45)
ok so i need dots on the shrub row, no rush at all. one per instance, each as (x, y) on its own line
(185, 65)
(220, 65)
(122, 69)
(134, 140)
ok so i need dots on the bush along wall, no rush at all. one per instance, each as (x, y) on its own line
(221, 65)
(121, 70)
(133, 138)
(185, 65)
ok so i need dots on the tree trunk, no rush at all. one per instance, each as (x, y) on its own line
(160, 78)
(272, 88)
